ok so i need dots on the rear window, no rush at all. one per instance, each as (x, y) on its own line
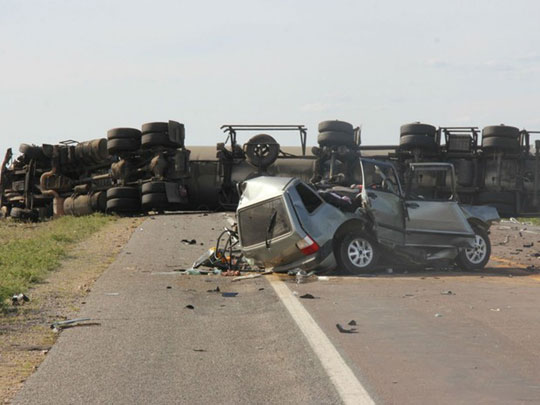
(309, 198)
(255, 220)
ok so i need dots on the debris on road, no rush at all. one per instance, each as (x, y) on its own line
(55, 326)
(189, 306)
(343, 330)
(214, 290)
(229, 294)
(528, 245)
(19, 299)
(495, 309)
(448, 292)
(352, 323)
(189, 241)
(113, 294)
(307, 296)
(437, 315)
(506, 240)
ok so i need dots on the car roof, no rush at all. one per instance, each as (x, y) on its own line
(263, 188)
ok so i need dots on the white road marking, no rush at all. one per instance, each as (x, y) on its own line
(349, 388)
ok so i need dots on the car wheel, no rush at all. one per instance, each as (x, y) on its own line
(335, 138)
(262, 150)
(476, 258)
(357, 253)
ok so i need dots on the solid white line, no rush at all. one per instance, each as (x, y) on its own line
(349, 388)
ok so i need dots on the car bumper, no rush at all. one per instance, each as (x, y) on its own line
(322, 260)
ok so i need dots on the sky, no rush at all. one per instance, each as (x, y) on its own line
(74, 69)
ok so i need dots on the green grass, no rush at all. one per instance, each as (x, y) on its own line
(534, 221)
(29, 251)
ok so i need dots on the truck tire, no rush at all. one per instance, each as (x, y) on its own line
(32, 151)
(151, 139)
(500, 144)
(335, 138)
(336, 126)
(357, 253)
(123, 192)
(262, 150)
(155, 127)
(154, 200)
(477, 257)
(500, 131)
(417, 128)
(115, 146)
(123, 133)
(417, 142)
(123, 205)
(153, 187)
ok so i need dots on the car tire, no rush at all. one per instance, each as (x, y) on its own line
(357, 253)
(262, 150)
(154, 187)
(500, 143)
(123, 192)
(123, 133)
(336, 126)
(335, 138)
(424, 142)
(500, 131)
(475, 258)
(417, 128)
(116, 146)
(123, 205)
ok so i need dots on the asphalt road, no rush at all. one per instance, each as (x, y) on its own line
(421, 338)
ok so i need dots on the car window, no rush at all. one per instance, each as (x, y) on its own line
(254, 221)
(309, 198)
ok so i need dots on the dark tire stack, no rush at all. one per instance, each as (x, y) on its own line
(500, 138)
(335, 133)
(123, 200)
(122, 140)
(157, 134)
(418, 136)
(154, 196)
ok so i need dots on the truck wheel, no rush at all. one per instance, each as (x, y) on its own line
(417, 142)
(357, 253)
(154, 187)
(335, 138)
(262, 150)
(336, 126)
(154, 200)
(123, 133)
(115, 146)
(416, 128)
(155, 139)
(123, 192)
(475, 258)
(501, 131)
(123, 205)
(155, 127)
(500, 143)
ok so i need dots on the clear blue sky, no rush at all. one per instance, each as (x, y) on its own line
(73, 69)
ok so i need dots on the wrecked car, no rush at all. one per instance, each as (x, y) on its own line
(286, 224)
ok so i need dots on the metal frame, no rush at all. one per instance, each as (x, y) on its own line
(231, 129)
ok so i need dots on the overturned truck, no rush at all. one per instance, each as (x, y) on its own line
(135, 171)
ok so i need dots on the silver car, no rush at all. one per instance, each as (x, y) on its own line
(286, 224)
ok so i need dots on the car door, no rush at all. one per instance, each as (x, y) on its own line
(382, 189)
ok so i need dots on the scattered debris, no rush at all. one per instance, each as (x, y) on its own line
(214, 290)
(199, 350)
(307, 296)
(70, 322)
(437, 315)
(113, 294)
(448, 292)
(229, 294)
(528, 245)
(169, 287)
(323, 278)
(246, 277)
(495, 309)
(231, 273)
(408, 295)
(189, 241)
(19, 299)
(352, 323)
(506, 240)
(189, 306)
(261, 289)
(301, 276)
(343, 330)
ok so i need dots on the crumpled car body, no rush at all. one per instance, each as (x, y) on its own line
(286, 224)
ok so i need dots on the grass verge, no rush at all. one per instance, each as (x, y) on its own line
(29, 251)
(534, 221)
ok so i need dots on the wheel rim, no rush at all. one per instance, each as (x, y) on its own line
(477, 253)
(360, 252)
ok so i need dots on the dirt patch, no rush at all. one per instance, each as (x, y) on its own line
(25, 333)
(515, 244)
